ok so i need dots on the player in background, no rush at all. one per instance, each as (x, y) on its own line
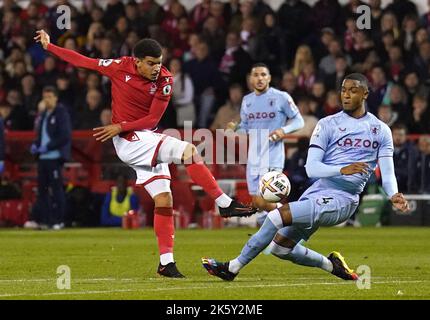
(141, 90)
(265, 111)
(344, 150)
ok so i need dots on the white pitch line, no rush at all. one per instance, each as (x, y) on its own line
(195, 288)
(151, 279)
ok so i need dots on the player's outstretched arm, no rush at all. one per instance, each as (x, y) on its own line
(315, 168)
(389, 183)
(70, 56)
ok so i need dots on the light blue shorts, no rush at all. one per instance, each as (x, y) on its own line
(318, 207)
(253, 176)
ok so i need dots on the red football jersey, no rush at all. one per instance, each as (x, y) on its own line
(137, 103)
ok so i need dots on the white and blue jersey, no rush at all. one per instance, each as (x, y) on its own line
(260, 115)
(346, 140)
(333, 198)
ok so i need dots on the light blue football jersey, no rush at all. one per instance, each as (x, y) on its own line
(260, 115)
(346, 140)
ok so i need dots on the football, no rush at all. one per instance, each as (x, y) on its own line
(274, 186)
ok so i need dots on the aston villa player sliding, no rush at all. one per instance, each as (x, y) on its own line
(141, 90)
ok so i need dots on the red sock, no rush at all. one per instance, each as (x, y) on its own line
(164, 229)
(203, 177)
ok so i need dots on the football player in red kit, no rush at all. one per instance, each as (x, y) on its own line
(141, 90)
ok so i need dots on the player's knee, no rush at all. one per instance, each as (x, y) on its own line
(279, 250)
(163, 199)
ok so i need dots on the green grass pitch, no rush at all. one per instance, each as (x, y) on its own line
(120, 264)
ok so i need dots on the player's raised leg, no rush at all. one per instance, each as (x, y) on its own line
(174, 150)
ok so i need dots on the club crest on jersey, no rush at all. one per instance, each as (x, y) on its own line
(375, 129)
(272, 102)
(153, 88)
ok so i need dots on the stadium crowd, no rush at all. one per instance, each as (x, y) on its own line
(210, 49)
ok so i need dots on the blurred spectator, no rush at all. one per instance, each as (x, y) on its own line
(302, 58)
(118, 202)
(106, 117)
(206, 80)
(52, 148)
(387, 115)
(214, 36)
(422, 60)
(30, 95)
(398, 104)
(331, 105)
(66, 94)
(389, 23)
(89, 117)
(395, 64)
(420, 116)
(318, 95)
(412, 86)
(307, 77)
(294, 18)
(379, 89)
(289, 84)
(231, 10)
(151, 12)
(402, 8)
(231, 110)
(270, 47)
(405, 157)
(246, 12)
(47, 73)
(200, 13)
(13, 113)
(183, 93)
(126, 49)
(407, 35)
(236, 62)
(423, 164)
(295, 166)
(327, 13)
(327, 65)
(304, 105)
(334, 80)
(113, 11)
(119, 33)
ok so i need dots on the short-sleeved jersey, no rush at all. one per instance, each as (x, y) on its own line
(260, 115)
(346, 140)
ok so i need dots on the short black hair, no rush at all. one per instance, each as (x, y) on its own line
(147, 47)
(360, 78)
(51, 89)
(260, 65)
